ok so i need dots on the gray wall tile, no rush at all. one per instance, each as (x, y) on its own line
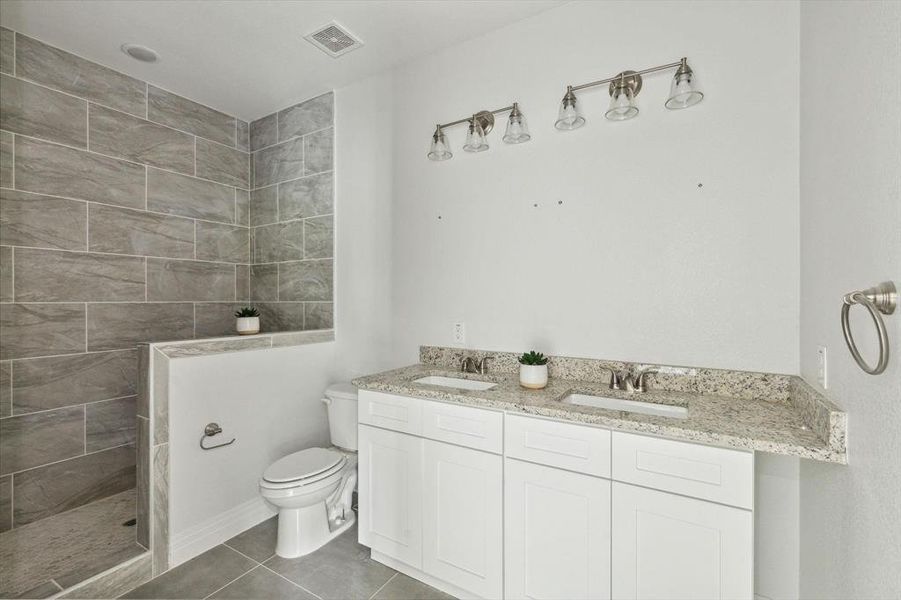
(160, 386)
(6, 374)
(72, 74)
(188, 196)
(308, 197)
(242, 207)
(306, 117)
(224, 243)
(264, 132)
(33, 440)
(159, 520)
(125, 231)
(281, 316)
(242, 283)
(223, 164)
(6, 274)
(319, 315)
(243, 133)
(119, 134)
(41, 329)
(6, 159)
(7, 53)
(33, 110)
(115, 326)
(318, 237)
(306, 280)
(278, 163)
(142, 482)
(42, 221)
(52, 276)
(55, 488)
(178, 112)
(215, 319)
(143, 382)
(173, 280)
(109, 423)
(264, 205)
(60, 171)
(6, 503)
(278, 242)
(264, 282)
(57, 381)
(318, 152)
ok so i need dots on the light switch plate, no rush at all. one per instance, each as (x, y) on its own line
(822, 367)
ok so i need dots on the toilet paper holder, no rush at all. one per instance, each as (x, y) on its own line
(209, 431)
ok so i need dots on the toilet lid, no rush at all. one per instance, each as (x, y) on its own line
(303, 464)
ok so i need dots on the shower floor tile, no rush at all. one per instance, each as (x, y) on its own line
(41, 558)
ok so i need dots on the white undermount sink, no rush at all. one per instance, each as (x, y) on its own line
(635, 406)
(453, 382)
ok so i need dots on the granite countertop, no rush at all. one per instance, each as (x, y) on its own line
(778, 427)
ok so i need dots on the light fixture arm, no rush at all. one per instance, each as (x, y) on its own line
(481, 117)
(681, 64)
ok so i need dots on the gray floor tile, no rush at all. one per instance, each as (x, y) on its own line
(44, 590)
(402, 587)
(258, 542)
(339, 570)
(197, 578)
(263, 584)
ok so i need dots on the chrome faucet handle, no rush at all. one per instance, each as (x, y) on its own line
(483, 364)
(615, 381)
(640, 378)
(629, 384)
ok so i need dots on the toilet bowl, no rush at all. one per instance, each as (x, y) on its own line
(313, 488)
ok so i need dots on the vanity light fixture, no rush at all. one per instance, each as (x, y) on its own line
(624, 87)
(480, 124)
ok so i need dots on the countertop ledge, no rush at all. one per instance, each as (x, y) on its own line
(805, 424)
(243, 343)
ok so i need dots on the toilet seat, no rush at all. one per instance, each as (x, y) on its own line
(303, 468)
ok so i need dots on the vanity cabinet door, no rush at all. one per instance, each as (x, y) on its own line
(667, 546)
(556, 532)
(462, 532)
(390, 494)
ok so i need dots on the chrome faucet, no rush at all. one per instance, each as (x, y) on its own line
(469, 365)
(631, 383)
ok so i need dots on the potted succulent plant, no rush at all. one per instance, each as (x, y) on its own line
(533, 370)
(248, 321)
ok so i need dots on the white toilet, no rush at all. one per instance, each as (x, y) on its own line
(313, 489)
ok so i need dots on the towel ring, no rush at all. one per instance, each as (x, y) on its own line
(879, 300)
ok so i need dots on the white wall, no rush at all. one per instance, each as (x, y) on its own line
(638, 263)
(851, 238)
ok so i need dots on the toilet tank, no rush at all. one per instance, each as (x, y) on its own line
(341, 400)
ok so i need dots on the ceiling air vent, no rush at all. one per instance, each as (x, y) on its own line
(334, 39)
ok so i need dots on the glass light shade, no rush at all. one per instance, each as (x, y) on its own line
(569, 118)
(440, 150)
(622, 104)
(683, 92)
(517, 130)
(475, 139)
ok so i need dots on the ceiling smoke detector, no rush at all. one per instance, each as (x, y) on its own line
(334, 39)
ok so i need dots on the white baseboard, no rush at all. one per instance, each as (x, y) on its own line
(217, 529)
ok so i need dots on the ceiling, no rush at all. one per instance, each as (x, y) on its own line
(248, 58)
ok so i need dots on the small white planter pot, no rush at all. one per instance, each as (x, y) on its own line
(248, 325)
(533, 376)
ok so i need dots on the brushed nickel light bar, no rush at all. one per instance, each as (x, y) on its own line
(623, 87)
(480, 124)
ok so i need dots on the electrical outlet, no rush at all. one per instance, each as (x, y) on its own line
(460, 333)
(822, 367)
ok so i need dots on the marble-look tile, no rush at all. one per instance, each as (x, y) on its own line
(318, 152)
(242, 207)
(281, 316)
(278, 242)
(188, 280)
(160, 399)
(242, 283)
(52, 276)
(142, 381)
(6, 159)
(142, 484)
(301, 338)
(221, 242)
(119, 134)
(57, 170)
(159, 519)
(178, 112)
(258, 542)
(124, 231)
(188, 196)
(318, 237)
(109, 423)
(278, 163)
(402, 587)
(72, 74)
(31, 330)
(198, 577)
(264, 283)
(264, 205)
(6, 274)
(42, 221)
(6, 392)
(306, 197)
(221, 346)
(57, 381)
(43, 590)
(263, 584)
(223, 164)
(306, 117)
(6, 503)
(33, 110)
(7, 50)
(319, 315)
(242, 131)
(264, 132)
(114, 583)
(214, 319)
(29, 441)
(115, 326)
(305, 280)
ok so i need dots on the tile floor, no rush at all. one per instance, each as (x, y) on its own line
(246, 567)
